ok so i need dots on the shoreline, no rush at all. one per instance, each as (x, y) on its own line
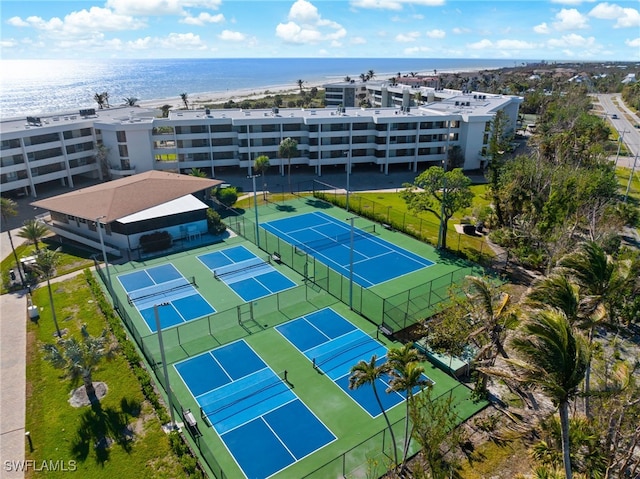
(198, 100)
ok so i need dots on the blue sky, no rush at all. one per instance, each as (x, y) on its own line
(523, 29)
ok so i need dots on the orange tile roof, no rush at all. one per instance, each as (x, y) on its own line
(119, 198)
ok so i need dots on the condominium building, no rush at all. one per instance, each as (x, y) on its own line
(120, 142)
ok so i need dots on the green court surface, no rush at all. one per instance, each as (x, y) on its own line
(362, 448)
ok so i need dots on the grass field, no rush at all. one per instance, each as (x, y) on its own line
(62, 432)
(360, 438)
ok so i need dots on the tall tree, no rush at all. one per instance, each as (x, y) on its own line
(367, 373)
(46, 264)
(288, 149)
(499, 140)
(406, 376)
(441, 193)
(8, 209)
(105, 96)
(33, 231)
(185, 99)
(198, 173)
(165, 110)
(130, 101)
(300, 83)
(551, 357)
(600, 277)
(261, 166)
(494, 321)
(371, 75)
(99, 99)
(80, 358)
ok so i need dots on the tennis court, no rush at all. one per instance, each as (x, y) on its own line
(262, 422)
(246, 274)
(329, 240)
(176, 297)
(334, 345)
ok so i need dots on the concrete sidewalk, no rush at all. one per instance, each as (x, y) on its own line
(13, 350)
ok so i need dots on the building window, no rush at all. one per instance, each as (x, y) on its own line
(123, 150)
(121, 136)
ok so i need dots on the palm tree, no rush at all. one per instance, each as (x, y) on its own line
(185, 99)
(363, 77)
(130, 101)
(599, 276)
(368, 373)
(288, 149)
(9, 208)
(80, 358)
(300, 83)
(347, 79)
(165, 110)
(495, 320)
(554, 359)
(46, 264)
(33, 231)
(105, 97)
(261, 166)
(198, 173)
(371, 75)
(406, 375)
(99, 100)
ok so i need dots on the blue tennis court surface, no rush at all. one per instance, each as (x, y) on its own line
(245, 273)
(329, 240)
(164, 285)
(263, 423)
(334, 345)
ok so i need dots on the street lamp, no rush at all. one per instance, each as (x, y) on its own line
(352, 219)
(104, 251)
(348, 155)
(620, 141)
(633, 170)
(444, 193)
(255, 206)
(164, 361)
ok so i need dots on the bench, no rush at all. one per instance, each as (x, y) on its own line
(191, 422)
(386, 330)
(276, 257)
(387, 226)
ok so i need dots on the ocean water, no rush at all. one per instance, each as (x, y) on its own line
(32, 87)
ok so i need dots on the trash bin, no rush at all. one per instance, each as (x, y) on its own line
(33, 312)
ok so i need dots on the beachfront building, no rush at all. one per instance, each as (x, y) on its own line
(397, 134)
(117, 214)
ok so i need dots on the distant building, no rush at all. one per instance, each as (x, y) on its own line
(411, 126)
(630, 78)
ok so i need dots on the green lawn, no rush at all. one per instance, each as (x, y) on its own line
(71, 259)
(62, 432)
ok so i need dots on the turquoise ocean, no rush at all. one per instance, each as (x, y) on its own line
(33, 87)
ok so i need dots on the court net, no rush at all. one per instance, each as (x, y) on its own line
(166, 288)
(344, 353)
(333, 240)
(254, 393)
(239, 268)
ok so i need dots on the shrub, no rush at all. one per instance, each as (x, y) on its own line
(214, 223)
(157, 241)
(227, 196)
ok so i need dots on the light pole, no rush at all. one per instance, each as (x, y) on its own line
(104, 251)
(633, 170)
(348, 154)
(444, 194)
(255, 206)
(620, 141)
(164, 361)
(352, 219)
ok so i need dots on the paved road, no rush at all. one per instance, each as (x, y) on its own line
(612, 104)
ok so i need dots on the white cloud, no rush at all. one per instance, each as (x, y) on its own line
(461, 30)
(543, 28)
(481, 45)
(635, 42)
(570, 19)
(231, 36)
(183, 40)
(203, 19)
(414, 50)
(572, 2)
(9, 43)
(436, 33)
(160, 7)
(394, 4)
(407, 37)
(17, 22)
(358, 41)
(572, 40)
(82, 23)
(625, 17)
(306, 25)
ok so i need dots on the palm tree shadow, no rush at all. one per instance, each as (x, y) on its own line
(100, 428)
